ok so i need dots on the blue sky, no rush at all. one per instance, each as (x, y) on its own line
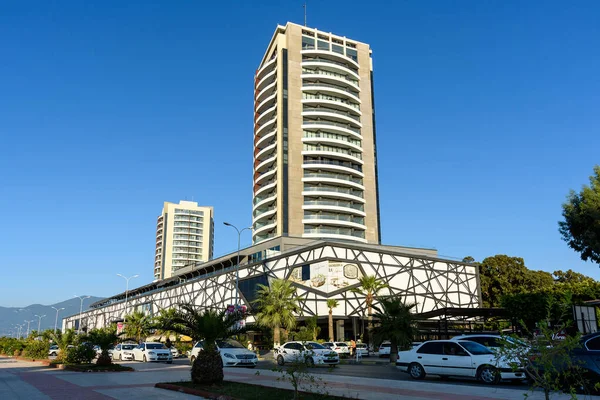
(487, 114)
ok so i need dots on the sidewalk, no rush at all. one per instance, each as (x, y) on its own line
(385, 389)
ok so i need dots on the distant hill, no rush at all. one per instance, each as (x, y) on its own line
(10, 316)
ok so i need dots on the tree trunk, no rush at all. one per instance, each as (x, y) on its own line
(370, 326)
(276, 336)
(393, 351)
(330, 325)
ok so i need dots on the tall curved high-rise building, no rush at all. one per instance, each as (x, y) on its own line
(315, 159)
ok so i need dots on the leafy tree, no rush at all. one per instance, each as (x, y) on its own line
(396, 323)
(63, 340)
(570, 276)
(468, 259)
(276, 306)
(209, 325)
(138, 325)
(581, 225)
(104, 337)
(331, 304)
(370, 286)
(313, 327)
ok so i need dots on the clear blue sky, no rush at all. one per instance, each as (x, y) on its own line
(487, 114)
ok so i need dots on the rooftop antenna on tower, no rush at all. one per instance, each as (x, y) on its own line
(304, 6)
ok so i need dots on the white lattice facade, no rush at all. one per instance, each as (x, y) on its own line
(319, 270)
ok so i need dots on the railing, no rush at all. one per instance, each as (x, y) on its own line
(333, 189)
(337, 217)
(332, 149)
(335, 162)
(336, 231)
(329, 85)
(259, 225)
(331, 110)
(259, 211)
(328, 97)
(308, 174)
(327, 61)
(258, 199)
(335, 136)
(329, 73)
(325, 122)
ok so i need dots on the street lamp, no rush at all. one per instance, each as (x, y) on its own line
(19, 331)
(56, 320)
(237, 268)
(39, 322)
(127, 288)
(81, 311)
(28, 322)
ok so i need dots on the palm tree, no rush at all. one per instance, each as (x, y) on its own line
(162, 319)
(63, 341)
(331, 304)
(370, 287)
(210, 326)
(276, 306)
(138, 325)
(396, 323)
(104, 337)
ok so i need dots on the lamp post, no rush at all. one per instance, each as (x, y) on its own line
(39, 322)
(19, 331)
(56, 320)
(28, 322)
(237, 268)
(127, 289)
(81, 311)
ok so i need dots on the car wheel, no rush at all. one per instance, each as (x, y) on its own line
(488, 375)
(310, 362)
(192, 359)
(53, 354)
(416, 371)
(280, 360)
(144, 359)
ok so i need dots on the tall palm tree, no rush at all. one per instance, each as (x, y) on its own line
(63, 340)
(331, 304)
(138, 325)
(276, 306)
(370, 287)
(162, 319)
(396, 323)
(210, 326)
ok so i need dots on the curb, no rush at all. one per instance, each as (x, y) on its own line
(195, 392)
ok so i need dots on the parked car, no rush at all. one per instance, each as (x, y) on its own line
(456, 358)
(152, 351)
(123, 351)
(54, 350)
(587, 357)
(310, 352)
(492, 342)
(363, 350)
(339, 347)
(233, 353)
(384, 349)
(174, 352)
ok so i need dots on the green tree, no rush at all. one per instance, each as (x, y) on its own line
(312, 325)
(276, 307)
(210, 326)
(138, 325)
(570, 276)
(162, 319)
(581, 225)
(104, 337)
(370, 286)
(331, 304)
(63, 340)
(396, 323)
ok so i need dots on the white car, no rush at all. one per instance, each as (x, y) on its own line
(174, 352)
(339, 347)
(311, 353)
(233, 353)
(152, 351)
(123, 351)
(54, 350)
(362, 349)
(453, 358)
(492, 342)
(384, 349)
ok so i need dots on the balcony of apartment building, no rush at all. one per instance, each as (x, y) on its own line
(337, 152)
(335, 178)
(318, 231)
(333, 56)
(319, 203)
(336, 219)
(266, 75)
(333, 192)
(332, 164)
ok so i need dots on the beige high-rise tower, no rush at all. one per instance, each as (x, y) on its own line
(184, 236)
(315, 161)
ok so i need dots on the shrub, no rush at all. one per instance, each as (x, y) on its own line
(183, 348)
(79, 355)
(37, 349)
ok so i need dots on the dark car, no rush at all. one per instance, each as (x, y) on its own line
(587, 357)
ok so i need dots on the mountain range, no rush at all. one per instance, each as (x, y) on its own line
(10, 316)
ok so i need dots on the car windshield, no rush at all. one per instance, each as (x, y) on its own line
(154, 346)
(476, 348)
(128, 346)
(341, 344)
(229, 344)
(313, 345)
(386, 345)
